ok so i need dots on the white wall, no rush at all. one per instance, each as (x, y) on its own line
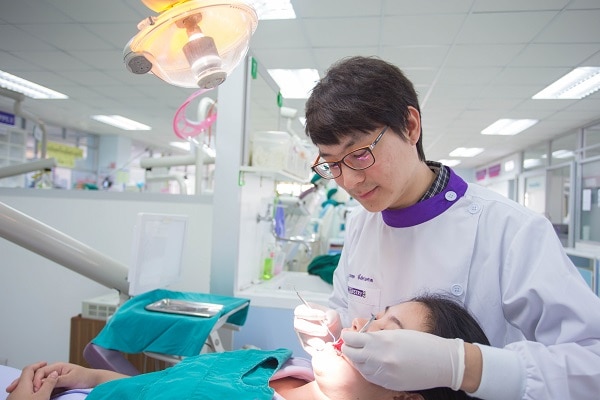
(39, 297)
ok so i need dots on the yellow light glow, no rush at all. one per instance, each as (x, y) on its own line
(229, 25)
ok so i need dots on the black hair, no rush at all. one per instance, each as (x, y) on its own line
(358, 95)
(449, 319)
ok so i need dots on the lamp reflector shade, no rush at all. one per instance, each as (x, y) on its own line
(194, 44)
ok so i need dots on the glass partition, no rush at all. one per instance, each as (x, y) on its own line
(535, 157)
(558, 201)
(263, 107)
(591, 141)
(590, 206)
(275, 138)
(563, 149)
(534, 191)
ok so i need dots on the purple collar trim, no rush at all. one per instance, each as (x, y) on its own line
(428, 209)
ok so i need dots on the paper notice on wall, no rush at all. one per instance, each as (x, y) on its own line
(586, 200)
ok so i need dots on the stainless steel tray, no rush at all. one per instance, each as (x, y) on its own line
(185, 307)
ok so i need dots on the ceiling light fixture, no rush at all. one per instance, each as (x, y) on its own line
(28, 88)
(509, 126)
(295, 83)
(563, 154)
(450, 163)
(121, 122)
(532, 163)
(465, 152)
(577, 84)
(193, 43)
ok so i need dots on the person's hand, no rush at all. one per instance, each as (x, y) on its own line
(404, 360)
(316, 325)
(23, 387)
(70, 376)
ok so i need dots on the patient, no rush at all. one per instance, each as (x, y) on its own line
(334, 377)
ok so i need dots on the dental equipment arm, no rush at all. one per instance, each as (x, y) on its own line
(48, 242)
(24, 168)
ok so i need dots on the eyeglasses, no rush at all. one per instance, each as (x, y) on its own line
(359, 159)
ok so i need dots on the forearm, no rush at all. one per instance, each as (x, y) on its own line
(101, 376)
(473, 368)
(496, 374)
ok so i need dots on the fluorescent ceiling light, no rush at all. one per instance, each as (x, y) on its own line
(562, 154)
(465, 152)
(450, 163)
(509, 126)
(531, 162)
(295, 83)
(121, 122)
(29, 89)
(576, 84)
(273, 9)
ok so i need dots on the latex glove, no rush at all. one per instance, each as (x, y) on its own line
(403, 359)
(316, 325)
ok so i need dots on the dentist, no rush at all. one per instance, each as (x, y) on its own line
(422, 228)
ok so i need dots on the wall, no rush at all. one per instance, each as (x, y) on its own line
(39, 297)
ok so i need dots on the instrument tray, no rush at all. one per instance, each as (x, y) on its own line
(184, 307)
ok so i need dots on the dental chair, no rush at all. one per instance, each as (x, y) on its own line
(168, 336)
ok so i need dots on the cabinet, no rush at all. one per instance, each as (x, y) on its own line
(83, 330)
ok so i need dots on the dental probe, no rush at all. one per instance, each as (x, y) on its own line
(365, 326)
(338, 344)
(323, 323)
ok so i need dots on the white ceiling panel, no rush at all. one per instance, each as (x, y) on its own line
(15, 39)
(31, 12)
(483, 55)
(555, 55)
(342, 32)
(100, 11)
(519, 5)
(504, 27)
(408, 7)
(336, 8)
(420, 29)
(576, 26)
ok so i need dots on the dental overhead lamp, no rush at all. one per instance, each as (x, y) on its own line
(191, 43)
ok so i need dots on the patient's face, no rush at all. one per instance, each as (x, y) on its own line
(336, 376)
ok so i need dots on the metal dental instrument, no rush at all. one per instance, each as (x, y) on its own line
(323, 323)
(365, 326)
(338, 344)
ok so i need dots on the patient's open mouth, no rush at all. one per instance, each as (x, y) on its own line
(337, 345)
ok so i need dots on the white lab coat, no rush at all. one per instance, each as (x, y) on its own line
(501, 260)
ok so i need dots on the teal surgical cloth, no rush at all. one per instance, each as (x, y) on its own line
(241, 374)
(133, 329)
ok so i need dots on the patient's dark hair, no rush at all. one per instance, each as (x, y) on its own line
(450, 320)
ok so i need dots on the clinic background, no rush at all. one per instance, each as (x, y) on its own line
(472, 62)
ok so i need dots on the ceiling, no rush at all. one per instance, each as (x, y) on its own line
(472, 62)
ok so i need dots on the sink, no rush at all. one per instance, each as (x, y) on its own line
(280, 291)
(300, 281)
